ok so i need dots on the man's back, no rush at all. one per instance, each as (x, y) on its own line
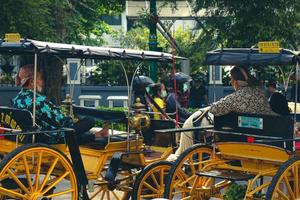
(245, 100)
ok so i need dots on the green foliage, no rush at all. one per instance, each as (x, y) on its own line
(244, 23)
(235, 192)
(58, 21)
(111, 73)
(188, 40)
(116, 126)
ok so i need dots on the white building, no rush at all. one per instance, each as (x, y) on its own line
(182, 16)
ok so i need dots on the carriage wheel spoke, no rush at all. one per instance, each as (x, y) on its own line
(55, 182)
(154, 180)
(27, 172)
(108, 196)
(16, 179)
(115, 195)
(199, 160)
(102, 196)
(38, 170)
(296, 181)
(161, 177)
(11, 193)
(182, 173)
(98, 192)
(60, 193)
(150, 187)
(186, 198)
(48, 174)
(176, 183)
(192, 165)
(280, 193)
(149, 196)
(292, 195)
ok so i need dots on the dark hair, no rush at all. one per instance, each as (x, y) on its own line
(271, 84)
(29, 68)
(156, 89)
(242, 74)
(239, 74)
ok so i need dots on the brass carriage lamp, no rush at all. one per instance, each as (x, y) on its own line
(140, 119)
(67, 107)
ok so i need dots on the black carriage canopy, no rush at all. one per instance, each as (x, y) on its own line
(29, 46)
(250, 57)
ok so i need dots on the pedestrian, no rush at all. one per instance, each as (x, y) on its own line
(158, 95)
(277, 100)
(198, 93)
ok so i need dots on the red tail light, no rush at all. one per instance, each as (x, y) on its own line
(1, 131)
(250, 139)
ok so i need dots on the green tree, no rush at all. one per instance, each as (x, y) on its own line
(58, 21)
(244, 23)
(193, 45)
(67, 21)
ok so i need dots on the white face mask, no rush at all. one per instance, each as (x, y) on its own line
(185, 87)
(164, 94)
(148, 89)
(39, 89)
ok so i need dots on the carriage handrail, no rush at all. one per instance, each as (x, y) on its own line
(14, 132)
(178, 130)
(279, 140)
(243, 134)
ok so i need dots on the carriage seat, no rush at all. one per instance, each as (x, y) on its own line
(265, 127)
(16, 119)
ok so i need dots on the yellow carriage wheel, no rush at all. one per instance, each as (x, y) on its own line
(182, 175)
(286, 183)
(122, 192)
(150, 183)
(37, 171)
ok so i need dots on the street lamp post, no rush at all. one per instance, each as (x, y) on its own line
(153, 38)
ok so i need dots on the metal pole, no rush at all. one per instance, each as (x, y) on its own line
(34, 94)
(153, 38)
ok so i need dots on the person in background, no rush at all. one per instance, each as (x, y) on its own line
(277, 100)
(198, 94)
(159, 93)
(141, 85)
(172, 103)
(185, 95)
(48, 116)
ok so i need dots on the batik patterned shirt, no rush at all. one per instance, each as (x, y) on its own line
(245, 100)
(48, 116)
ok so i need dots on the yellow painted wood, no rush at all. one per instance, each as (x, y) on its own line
(252, 151)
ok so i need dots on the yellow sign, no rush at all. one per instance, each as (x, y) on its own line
(12, 37)
(269, 47)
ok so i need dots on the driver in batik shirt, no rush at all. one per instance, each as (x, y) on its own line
(247, 98)
(48, 116)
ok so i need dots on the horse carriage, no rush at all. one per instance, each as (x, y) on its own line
(104, 169)
(256, 150)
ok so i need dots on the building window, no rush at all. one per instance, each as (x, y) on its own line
(112, 20)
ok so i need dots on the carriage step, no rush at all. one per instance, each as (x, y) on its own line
(228, 175)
